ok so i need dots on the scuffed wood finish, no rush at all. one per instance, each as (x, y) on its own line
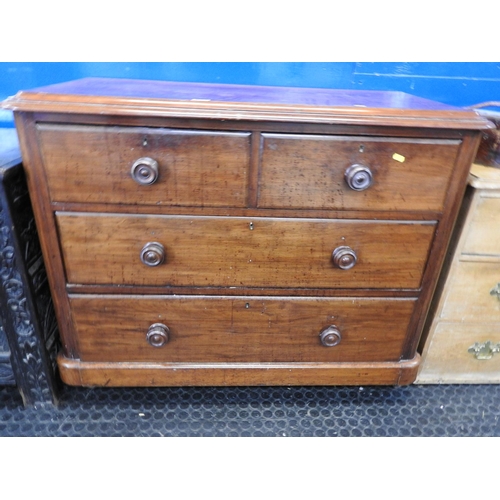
(242, 252)
(465, 310)
(76, 372)
(240, 329)
(240, 102)
(92, 164)
(300, 171)
(250, 202)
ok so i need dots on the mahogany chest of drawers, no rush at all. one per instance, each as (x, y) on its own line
(202, 234)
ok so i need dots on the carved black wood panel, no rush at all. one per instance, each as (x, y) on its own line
(26, 310)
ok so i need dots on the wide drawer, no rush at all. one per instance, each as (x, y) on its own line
(483, 236)
(305, 171)
(469, 293)
(234, 329)
(93, 164)
(242, 252)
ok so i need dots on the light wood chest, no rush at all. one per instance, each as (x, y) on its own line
(463, 339)
(226, 235)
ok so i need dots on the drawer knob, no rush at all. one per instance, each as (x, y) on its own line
(158, 335)
(153, 254)
(145, 171)
(344, 257)
(358, 177)
(330, 336)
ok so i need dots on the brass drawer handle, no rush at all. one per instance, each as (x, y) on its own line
(496, 291)
(358, 177)
(153, 254)
(158, 335)
(330, 336)
(484, 350)
(344, 257)
(145, 171)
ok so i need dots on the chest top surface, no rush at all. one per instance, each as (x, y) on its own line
(224, 101)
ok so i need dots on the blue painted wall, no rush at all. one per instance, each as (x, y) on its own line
(459, 84)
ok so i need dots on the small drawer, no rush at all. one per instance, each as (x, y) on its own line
(483, 236)
(447, 358)
(355, 173)
(145, 166)
(198, 251)
(471, 293)
(239, 329)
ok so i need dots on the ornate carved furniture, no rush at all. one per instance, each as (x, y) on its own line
(28, 329)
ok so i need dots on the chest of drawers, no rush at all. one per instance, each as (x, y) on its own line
(203, 234)
(462, 340)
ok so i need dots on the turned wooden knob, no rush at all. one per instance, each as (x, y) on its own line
(344, 257)
(158, 335)
(358, 177)
(145, 171)
(153, 254)
(330, 336)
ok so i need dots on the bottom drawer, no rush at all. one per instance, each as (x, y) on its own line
(447, 358)
(239, 329)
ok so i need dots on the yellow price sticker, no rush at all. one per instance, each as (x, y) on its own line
(398, 157)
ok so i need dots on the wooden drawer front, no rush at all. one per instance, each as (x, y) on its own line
(92, 164)
(469, 293)
(242, 252)
(222, 329)
(300, 171)
(483, 237)
(448, 361)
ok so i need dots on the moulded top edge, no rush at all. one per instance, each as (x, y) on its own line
(238, 102)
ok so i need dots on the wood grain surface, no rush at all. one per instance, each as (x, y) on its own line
(306, 171)
(250, 202)
(115, 96)
(242, 252)
(218, 329)
(109, 374)
(92, 164)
